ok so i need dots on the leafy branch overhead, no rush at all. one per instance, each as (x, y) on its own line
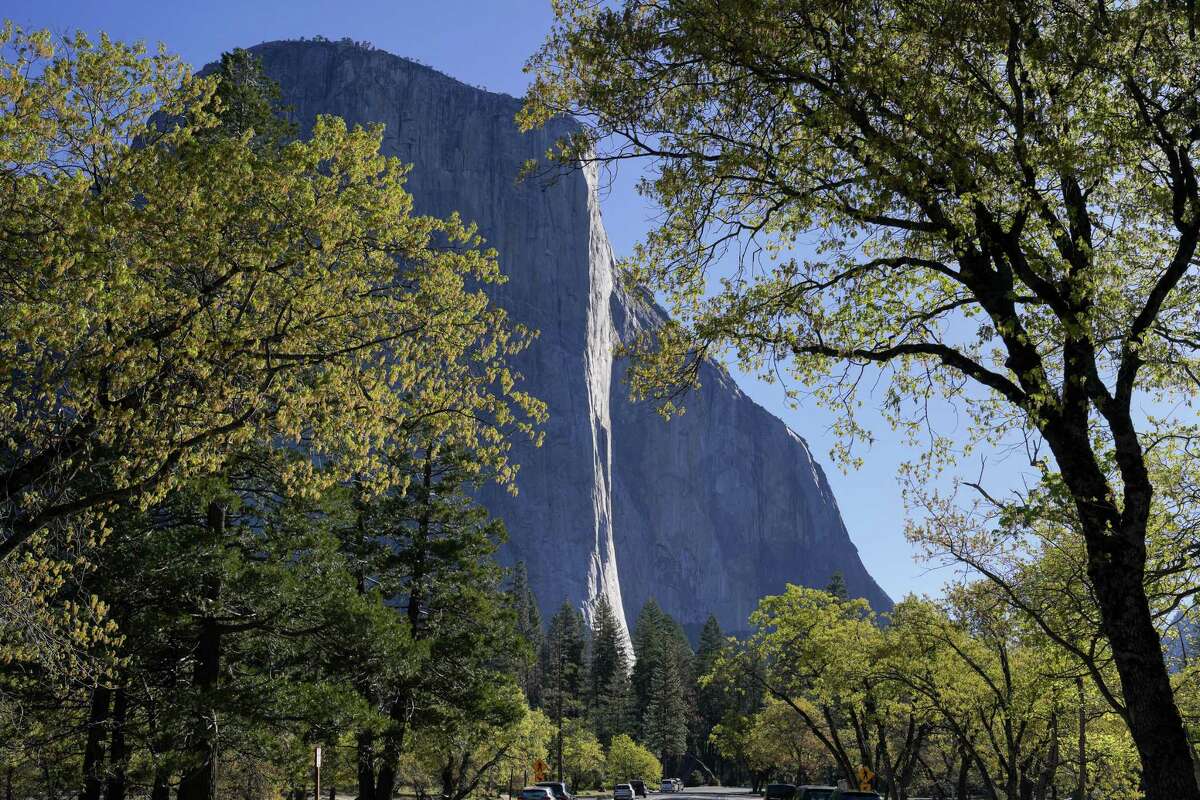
(991, 205)
(171, 295)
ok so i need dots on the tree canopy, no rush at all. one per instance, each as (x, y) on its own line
(171, 295)
(994, 205)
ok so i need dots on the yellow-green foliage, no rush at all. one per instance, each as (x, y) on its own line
(169, 295)
(628, 760)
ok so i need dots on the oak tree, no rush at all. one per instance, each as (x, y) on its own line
(994, 204)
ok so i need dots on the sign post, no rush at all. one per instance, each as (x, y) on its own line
(865, 776)
(317, 773)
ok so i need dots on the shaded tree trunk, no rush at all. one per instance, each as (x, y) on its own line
(1081, 786)
(118, 754)
(394, 738)
(161, 789)
(1117, 567)
(964, 774)
(389, 761)
(365, 751)
(200, 781)
(93, 750)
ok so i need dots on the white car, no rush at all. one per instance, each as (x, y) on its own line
(622, 791)
(668, 785)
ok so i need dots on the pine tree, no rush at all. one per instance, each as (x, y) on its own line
(647, 651)
(658, 638)
(665, 725)
(563, 673)
(608, 678)
(608, 654)
(615, 713)
(837, 586)
(529, 626)
(711, 700)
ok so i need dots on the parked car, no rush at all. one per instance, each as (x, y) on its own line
(815, 792)
(536, 793)
(853, 794)
(639, 787)
(558, 789)
(668, 785)
(622, 791)
(780, 791)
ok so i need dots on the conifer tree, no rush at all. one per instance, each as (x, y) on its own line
(529, 626)
(647, 651)
(658, 638)
(837, 586)
(608, 678)
(712, 699)
(563, 672)
(608, 654)
(665, 724)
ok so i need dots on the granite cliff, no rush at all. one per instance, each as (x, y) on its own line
(706, 513)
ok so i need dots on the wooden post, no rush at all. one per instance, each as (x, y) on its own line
(317, 773)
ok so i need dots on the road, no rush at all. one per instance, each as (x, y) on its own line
(704, 793)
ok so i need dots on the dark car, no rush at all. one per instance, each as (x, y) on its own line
(815, 792)
(780, 791)
(853, 794)
(558, 789)
(639, 788)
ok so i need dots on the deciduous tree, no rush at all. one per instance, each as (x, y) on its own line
(995, 205)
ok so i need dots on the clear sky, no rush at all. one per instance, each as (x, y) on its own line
(486, 43)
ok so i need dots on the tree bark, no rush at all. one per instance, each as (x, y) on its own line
(162, 784)
(118, 754)
(200, 781)
(393, 743)
(964, 774)
(1081, 787)
(93, 751)
(1116, 564)
(366, 765)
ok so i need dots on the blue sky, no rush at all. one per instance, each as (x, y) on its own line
(486, 43)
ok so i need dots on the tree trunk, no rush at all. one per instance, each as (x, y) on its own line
(1116, 565)
(393, 743)
(1081, 787)
(366, 765)
(118, 754)
(93, 750)
(162, 784)
(964, 774)
(448, 779)
(51, 787)
(200, 781)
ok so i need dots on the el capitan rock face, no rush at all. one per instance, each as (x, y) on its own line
(706, 513)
